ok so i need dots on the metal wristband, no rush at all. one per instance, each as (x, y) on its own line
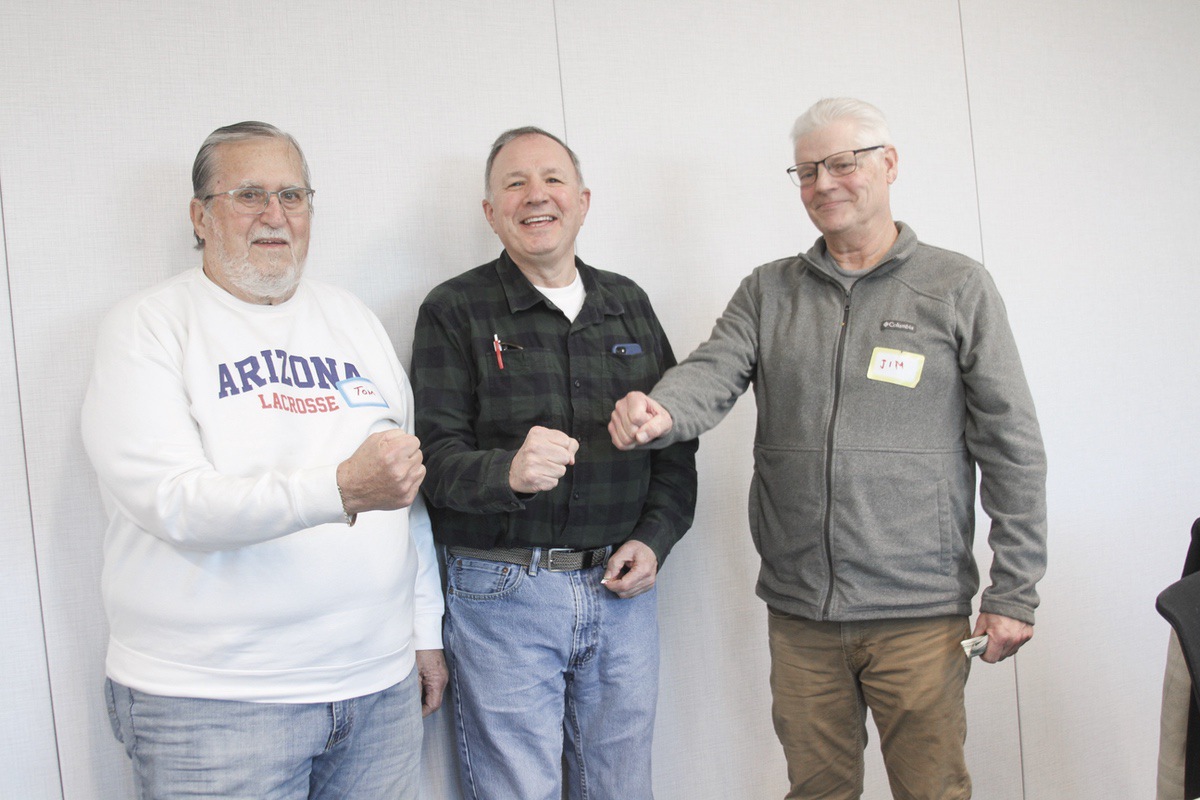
(349, 518)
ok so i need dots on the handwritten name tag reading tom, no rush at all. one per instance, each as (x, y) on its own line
(896, 366)
(360, 392)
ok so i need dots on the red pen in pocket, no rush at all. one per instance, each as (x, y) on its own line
(496, 347)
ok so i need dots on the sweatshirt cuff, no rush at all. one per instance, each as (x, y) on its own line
(315, 496)
(427, 631)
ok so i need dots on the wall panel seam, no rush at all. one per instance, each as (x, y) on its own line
(962, 38)
(37, 572)
(562, 92)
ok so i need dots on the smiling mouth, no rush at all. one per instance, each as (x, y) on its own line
(539, 220)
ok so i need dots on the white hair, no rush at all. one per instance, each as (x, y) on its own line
(872, 127)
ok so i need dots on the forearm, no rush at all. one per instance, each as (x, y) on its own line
(150, 459)
(702, 389)
(1005, 440)
(194, 507)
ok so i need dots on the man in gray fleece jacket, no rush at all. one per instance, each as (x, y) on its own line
(884, 371)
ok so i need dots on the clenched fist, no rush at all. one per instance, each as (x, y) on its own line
(384, 473)
(541, 461)
(638, 419)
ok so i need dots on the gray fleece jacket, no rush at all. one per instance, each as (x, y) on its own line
(874, 406)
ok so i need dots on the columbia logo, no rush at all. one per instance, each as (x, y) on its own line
(897, 325)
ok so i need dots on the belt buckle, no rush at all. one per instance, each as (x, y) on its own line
(550, 557)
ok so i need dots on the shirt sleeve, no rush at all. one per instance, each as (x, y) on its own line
(1004, 438)
(670, 504)
(149, 456)
(459, 476)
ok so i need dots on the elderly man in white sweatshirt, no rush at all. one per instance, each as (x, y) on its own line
(269, 576)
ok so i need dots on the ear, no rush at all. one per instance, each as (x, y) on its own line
(585, 203)
(199, 216)
(891, 158)
(489, 213)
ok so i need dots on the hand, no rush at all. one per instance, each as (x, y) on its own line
(1005, 635)
(433, 675)
(631, 570)
(541, 461)
(384, 473)
(638, 419)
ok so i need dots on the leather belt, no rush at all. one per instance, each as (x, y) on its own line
(555, 559)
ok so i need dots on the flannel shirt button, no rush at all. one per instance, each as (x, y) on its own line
(578, 383)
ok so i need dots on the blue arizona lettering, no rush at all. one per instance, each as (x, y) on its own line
(279, 366)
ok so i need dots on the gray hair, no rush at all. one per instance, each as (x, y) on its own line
(869, 120)
(205, 166)
(517, 133)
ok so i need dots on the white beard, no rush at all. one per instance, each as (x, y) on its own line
(256, 282)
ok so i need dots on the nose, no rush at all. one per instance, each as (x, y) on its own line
(535, 192)
(823, 180)
(273, 214)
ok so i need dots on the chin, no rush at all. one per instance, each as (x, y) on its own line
(272, 282)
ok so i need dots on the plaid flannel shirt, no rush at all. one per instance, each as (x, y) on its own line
(472, 415)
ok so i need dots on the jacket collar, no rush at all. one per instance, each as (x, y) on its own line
(901, 250)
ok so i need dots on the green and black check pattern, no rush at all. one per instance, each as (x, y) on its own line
(472, 416)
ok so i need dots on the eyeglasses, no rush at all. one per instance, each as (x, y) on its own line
(294, 200)
(839, 165)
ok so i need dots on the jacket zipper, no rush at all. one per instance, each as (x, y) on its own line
(837, 396)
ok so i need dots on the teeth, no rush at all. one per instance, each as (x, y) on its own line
(532, 220)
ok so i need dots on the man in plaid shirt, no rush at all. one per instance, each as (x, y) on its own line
(553, 537)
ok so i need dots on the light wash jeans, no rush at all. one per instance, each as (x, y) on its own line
(364, 748)
(550, 668)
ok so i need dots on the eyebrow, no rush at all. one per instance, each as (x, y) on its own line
(517, 173)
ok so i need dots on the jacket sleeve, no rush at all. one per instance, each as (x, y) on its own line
(1004, 438)
(149, 456)
(701, 390)
(458, 475)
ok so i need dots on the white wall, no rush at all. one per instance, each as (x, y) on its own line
(1052, 140)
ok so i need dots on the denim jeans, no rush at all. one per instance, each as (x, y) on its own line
(367, 747)
(550, 669)
(911, 673)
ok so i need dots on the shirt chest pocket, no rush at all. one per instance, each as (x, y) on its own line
(521, 388)
(629, 372)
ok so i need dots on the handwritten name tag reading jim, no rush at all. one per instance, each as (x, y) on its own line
(896, 366)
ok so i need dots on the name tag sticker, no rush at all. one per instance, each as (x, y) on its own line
(360, 392)
(896, 366)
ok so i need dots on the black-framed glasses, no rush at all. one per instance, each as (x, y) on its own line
(838, 165)
(294, 200)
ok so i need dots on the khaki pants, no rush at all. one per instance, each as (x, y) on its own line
(911, 673)
(1173, 724)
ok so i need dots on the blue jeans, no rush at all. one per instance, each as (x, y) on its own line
(367, 747)
(547, 669)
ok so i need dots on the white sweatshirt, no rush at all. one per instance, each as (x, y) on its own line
(216, 427)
